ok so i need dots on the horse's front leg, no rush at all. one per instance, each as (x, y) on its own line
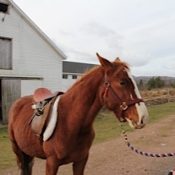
(52, 165)
(78, 167)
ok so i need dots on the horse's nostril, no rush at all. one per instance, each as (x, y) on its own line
(142, 120)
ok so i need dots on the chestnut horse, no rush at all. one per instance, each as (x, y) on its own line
(110, 84)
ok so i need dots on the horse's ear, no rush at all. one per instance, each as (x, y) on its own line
(104, 62)
(117, 59)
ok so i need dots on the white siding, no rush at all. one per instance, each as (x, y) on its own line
(29, 86)
(67, 83)
(32, 56)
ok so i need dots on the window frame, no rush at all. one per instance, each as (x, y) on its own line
(6, 64)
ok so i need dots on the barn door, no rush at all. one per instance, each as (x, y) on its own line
(11, 90)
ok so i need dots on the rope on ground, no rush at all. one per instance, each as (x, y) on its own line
(141, 152)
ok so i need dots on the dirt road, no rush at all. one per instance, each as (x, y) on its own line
(115, 158)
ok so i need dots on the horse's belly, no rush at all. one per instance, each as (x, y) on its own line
(29, 143)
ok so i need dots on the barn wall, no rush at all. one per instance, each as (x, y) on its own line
(27, 89)
(67, 83)
(32, 56)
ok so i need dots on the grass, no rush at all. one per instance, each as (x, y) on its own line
(7, 157)
(106, 128)
(157, 112)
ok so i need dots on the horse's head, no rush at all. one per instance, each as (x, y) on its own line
(121, 95)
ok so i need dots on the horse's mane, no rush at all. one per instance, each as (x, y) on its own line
(87, 73)
(121, 64)
(97, 71)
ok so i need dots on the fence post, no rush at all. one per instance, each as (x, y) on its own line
(168, 95)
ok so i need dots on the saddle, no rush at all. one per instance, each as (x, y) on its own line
(43, 101)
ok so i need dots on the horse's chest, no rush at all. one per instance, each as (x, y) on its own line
(82, 147)
(69, 149)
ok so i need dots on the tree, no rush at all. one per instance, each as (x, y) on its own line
(151, 83)
(155, 83)
(141, 85)
(159, 82)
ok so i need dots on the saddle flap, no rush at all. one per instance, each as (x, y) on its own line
(39, 122)
(41, 94)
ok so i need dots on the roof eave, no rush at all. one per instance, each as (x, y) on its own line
(37, 29)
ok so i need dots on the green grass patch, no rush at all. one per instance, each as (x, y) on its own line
(157, 112)
(7, 157)
(106, 127)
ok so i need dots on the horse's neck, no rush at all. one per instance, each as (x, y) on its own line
(83, 100)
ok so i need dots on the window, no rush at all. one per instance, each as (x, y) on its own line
(3, 7)
(74, 76)
(5, 53)
(64, 76)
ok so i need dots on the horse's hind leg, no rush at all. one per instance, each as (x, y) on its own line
(24, 161)
(26, 166)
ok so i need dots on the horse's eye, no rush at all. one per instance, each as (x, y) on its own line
(123, 83)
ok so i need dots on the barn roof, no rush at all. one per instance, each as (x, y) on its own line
(37, 29)
(76, 68)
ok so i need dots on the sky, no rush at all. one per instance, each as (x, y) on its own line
(139, 32)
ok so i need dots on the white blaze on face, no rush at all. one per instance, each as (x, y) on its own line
(141, 108)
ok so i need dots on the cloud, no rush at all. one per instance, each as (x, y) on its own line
(155, 36)
(137, 60)
(83, 57)
(94, 28)
(139, 32)
(157, 67)
(106, 36)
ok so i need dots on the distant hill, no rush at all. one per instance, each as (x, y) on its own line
(145, 79)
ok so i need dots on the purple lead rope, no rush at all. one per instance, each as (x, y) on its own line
(141, 152)
(172, 172)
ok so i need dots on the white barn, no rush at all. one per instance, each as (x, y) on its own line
(28, 58)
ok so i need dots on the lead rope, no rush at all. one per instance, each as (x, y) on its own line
(141, 152)
(171, 172)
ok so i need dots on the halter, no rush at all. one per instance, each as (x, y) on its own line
(123, 105)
